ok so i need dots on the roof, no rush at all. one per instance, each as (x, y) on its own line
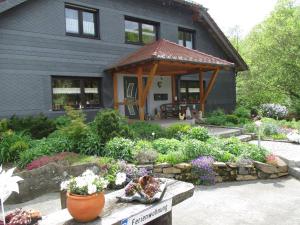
(200, 15)
(164, 50)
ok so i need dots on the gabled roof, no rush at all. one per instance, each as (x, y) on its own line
(164, 50)
(200, 15)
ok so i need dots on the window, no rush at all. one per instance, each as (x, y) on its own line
(75, 92)
(81, 21)
(190, 91)
(186, 38)
(140, 31)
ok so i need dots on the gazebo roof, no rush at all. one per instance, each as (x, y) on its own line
(172, 55)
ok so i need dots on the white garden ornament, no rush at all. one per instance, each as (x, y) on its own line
(8, 185)
(294, 137)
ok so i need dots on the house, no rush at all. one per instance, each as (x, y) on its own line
(68, 52)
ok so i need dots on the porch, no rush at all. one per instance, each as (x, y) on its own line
(158, 63)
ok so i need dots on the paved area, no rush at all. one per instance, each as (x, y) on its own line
(263, 202)
(270, 202)
(288, 151)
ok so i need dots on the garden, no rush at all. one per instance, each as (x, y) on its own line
(118, 146)
(276, 122)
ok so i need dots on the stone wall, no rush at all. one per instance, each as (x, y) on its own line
(48, 178)
(223, 171)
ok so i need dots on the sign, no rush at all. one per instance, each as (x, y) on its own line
(149, 214)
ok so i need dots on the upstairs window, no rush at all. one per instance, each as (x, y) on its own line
(186, 38)
(82, 22)
(77, 92)
(140, 31)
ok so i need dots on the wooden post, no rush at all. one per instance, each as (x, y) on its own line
(201, 80)
(149, 83)
(173, 88)
(140, 93)
(211, 84)
(115, 84)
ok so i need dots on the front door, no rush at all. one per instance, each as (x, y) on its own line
(131, 95)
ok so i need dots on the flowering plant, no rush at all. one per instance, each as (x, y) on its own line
(86, 184)
(204, 166)
(274, 111)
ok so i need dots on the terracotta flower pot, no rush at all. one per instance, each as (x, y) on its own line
(85, 208)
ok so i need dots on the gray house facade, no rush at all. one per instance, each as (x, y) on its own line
(55, 53)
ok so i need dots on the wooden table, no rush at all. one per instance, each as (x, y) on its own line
(116, 213)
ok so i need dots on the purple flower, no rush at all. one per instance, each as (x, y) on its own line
(204, 166)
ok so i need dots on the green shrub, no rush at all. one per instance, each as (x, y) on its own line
(119, 148)
(62, 121)
(171, 157)
(12, 145)
(279, 136)
(146, 156)
(270, 129)
(232, 145)
(232, 119)
(242, 112)
(177, 130)
(194, 148)
(198, 133)
(3, 125)
(45, 146)
(76, 130)
(37, 127)
(250, 127)
(145, 130)
(216, 117)
(142, 145)
(253, 152)
(109, 124)
(164, 145)
(90, 145)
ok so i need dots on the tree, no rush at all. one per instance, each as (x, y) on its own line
(272, 51)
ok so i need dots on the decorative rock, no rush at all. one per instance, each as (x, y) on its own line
(243, 171)
(283, 174)
(218, 179)
(183, 166)
(263, 175)
(266, 168)
(171, 170)
(281, 165)
(232, 165)
(162, 165)
(245, 177)
(219, 165)
(274, 176)
(158, 170)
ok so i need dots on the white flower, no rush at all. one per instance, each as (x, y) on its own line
(120, 178)
(92, 189)
(153, 134)
(258, 123)
(80, 182)
(88, 173)
(64, 185)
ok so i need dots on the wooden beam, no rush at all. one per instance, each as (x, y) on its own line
(140, 93)
(201, 80)
(210, 85)
(173, 88)
(149, 83)
(115, 86)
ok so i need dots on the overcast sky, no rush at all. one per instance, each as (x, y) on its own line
(244, 13)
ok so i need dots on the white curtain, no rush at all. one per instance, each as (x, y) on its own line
(72, 21)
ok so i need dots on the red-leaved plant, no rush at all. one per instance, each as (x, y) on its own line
(271, 159)
(44, 160)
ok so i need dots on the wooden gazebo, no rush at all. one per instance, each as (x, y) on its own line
(165, 58)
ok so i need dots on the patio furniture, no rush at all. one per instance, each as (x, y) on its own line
(116, 213)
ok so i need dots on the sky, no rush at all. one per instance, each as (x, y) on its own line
(243, 13)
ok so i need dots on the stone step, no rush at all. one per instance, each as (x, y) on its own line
(245, 137)
(295, 172)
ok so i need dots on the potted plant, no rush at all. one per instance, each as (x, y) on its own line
(85, 197)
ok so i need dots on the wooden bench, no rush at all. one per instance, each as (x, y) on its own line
(116, 213)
